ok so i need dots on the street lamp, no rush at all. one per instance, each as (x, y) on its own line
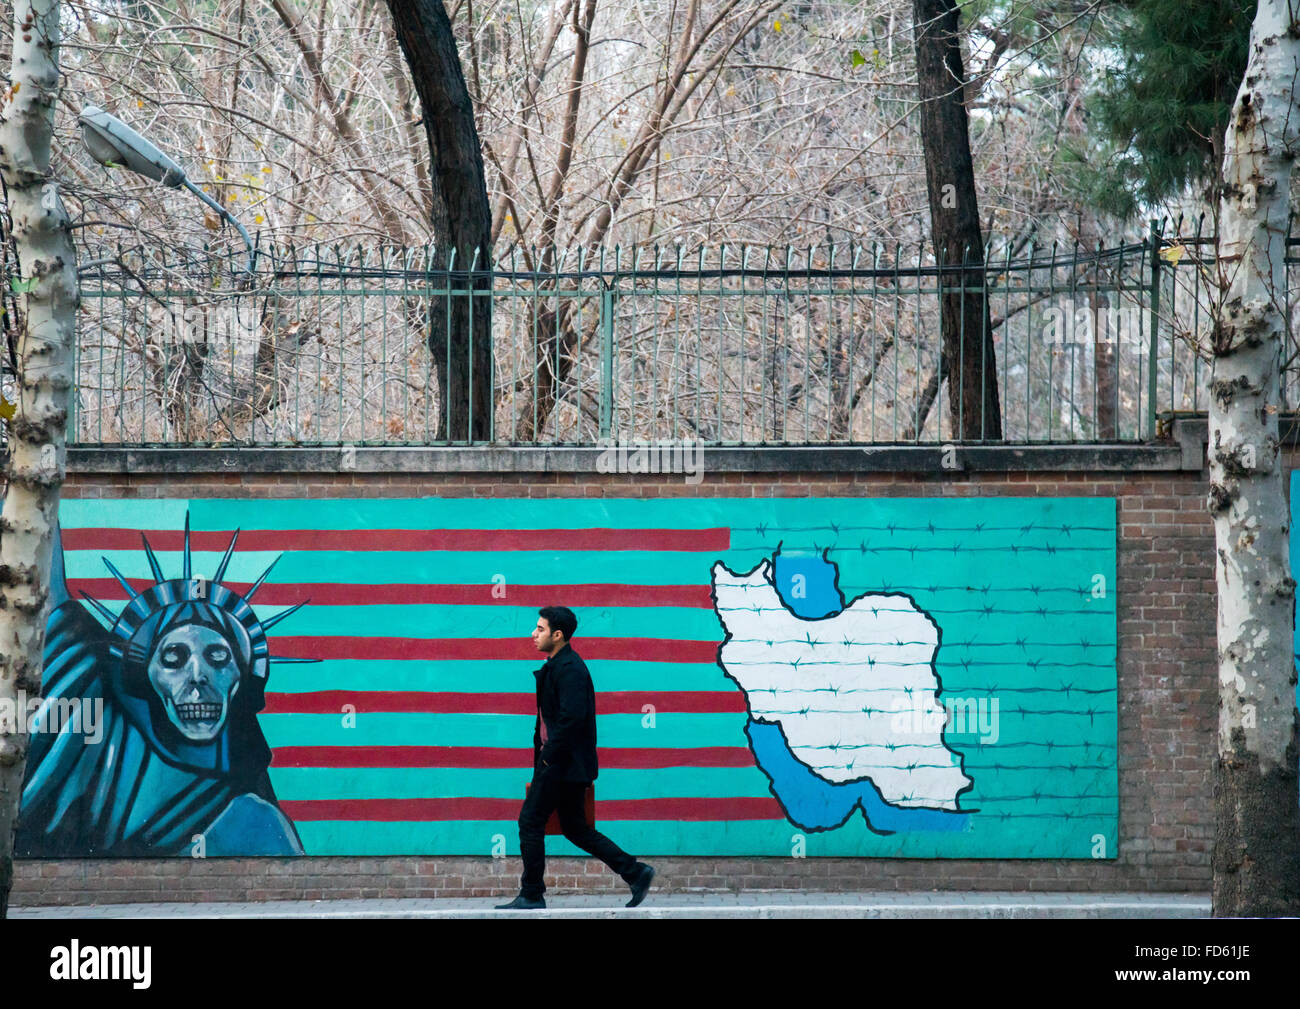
(115, 145)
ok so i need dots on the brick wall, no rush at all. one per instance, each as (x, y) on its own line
(1167, 698)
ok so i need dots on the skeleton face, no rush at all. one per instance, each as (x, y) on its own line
(194, 671)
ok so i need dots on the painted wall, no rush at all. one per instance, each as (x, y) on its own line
(918, 678)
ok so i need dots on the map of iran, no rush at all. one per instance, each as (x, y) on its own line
(844, 706)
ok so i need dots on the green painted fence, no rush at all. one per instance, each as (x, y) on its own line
(728, 346)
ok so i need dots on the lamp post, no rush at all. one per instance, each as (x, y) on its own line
(115, 145)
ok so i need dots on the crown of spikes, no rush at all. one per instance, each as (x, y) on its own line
(189, 589)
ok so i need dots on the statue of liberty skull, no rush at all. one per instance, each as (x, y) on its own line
(181, 673)
(193, 647)
(195, 670)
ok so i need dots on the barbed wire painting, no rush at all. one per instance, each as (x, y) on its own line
(825, 677)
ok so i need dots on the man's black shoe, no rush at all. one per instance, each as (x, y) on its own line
(522, 903)
(641, 886)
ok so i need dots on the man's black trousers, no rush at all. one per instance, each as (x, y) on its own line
(548, 794)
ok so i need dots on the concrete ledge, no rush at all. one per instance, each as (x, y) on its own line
(751, 904)
(1169, 456)
(1191, 432)
(1193, 437)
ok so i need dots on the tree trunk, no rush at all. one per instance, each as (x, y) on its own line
(1256, 860)
(558, 341)
(1106, 379)
(46, 330)
(969, 361)
(460, 328)
(1106, 331)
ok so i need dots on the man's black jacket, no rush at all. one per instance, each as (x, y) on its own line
(566, 701)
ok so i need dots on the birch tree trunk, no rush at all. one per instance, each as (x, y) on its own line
(46, 326)
(1256, 858)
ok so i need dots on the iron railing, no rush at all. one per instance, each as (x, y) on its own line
(723, 347)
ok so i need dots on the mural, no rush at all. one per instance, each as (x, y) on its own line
(166, 756)
(886, 677)
(843, 699)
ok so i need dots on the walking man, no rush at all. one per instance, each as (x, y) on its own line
(564, 764)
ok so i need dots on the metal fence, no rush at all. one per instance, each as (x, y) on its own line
(724, 347)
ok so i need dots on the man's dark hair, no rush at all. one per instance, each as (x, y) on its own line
(560, 618)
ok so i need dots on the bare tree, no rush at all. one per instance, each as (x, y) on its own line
(46, 331)
(460, 329)
(969, 357)
(604, 124)
(1256, 856)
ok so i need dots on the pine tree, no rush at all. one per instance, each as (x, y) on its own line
(1162, 111)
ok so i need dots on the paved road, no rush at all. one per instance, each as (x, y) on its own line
(752, 904)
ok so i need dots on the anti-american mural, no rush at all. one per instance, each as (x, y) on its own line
(872, 677)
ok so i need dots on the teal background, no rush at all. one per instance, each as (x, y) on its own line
(1010, 581)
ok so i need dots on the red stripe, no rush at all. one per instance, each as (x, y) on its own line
(327, 594)
(494, 649)
(626, 702)
(427, 810)
(621, 758)
(405, 539)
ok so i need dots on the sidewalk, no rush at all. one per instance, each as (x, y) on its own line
(751, 904)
